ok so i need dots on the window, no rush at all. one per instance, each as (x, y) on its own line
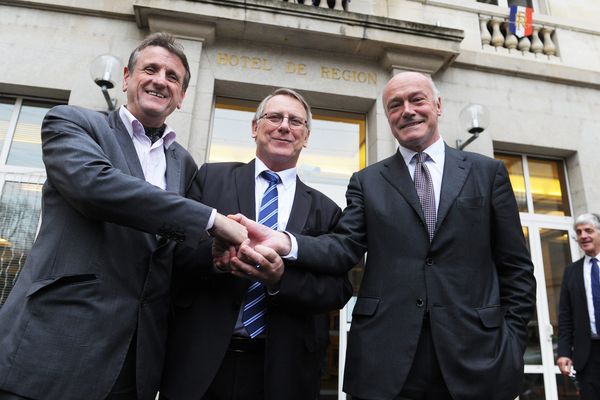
(20, 127)
(21, 177)
(541, 189)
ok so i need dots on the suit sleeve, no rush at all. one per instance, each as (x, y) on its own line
(312, 292)
(511, 257)
(339, 251)
(565, 318)
(79, 168)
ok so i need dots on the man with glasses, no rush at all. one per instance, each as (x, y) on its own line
(258, 331)
(579, 311)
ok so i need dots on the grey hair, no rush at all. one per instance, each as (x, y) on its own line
(284, 92)
(166, 41)
(587, 218)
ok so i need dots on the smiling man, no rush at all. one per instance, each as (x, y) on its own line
(448, 286)
(260, 334)
(579, 311)
(87, 317)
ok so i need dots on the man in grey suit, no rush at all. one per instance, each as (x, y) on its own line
(448, 287)
(579, 311)
(87, 318)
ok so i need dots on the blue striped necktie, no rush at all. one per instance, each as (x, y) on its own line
(255, 305)
(596, 293)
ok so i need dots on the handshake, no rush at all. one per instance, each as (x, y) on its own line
(249, 250)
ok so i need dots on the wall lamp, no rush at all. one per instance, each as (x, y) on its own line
(474, 118)
(104, 70)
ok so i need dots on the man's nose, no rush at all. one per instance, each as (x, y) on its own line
(408, 110)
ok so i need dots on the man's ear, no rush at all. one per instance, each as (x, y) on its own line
(125, 78)
(439, 106)
(305, 144)
(254, 129)
(180, 102)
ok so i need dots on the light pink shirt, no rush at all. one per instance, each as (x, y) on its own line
(151, 155)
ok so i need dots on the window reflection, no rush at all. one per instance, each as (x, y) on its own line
(6, 110)
(514, 165)
(556, 255)
(533, 387)
(20, 206)
(548, 186)
(26, 147)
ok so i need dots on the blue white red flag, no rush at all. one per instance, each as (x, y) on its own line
(520, 21)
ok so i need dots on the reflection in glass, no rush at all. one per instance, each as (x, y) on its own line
(548, 186)
(514, 165)
(566, 388)
(556, 255)
(533, 387)
(20, 205)
(533, 352)
(26, 146)
(6, 111)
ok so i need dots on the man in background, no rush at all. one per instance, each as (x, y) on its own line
(579, 311)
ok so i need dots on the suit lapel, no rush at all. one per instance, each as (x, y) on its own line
(579, 285)
(245, 184)
(126, 144)
(300, 208)
(456, 170)
(396, 174)
(173, 170)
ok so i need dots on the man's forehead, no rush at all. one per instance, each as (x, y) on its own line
(282, 102)
(584, 226)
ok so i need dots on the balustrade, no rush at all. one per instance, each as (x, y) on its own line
(495, 34)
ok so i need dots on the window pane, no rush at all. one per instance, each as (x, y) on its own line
(533, 351)
(556, 255)
(26, 147)
(533, 387)
(6, 110)
(548, 186)
(514, 165)
(20, 205)
(566, 388)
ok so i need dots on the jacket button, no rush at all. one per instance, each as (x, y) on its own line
(429, 261)
(420, 303)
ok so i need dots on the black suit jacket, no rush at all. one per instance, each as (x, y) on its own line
(206, 304)
(475, 279)
(574, 336)
(97, 274)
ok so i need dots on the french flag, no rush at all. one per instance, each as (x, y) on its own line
(520, 21)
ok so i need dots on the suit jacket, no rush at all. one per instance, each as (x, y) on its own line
(206, 304)
(97, 276)
(475, 279)
(574, 336)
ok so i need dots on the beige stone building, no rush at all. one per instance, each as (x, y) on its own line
(542, 93)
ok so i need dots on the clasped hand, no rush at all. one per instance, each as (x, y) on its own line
(257, 257)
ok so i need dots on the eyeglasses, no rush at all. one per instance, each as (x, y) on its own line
(276, 119)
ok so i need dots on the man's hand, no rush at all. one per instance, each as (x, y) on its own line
(222, 253)
(261, 264)
(229, 230)
(262, 235)
(564, 364)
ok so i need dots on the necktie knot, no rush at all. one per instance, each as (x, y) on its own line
(271, 177)
(594, 261)
(420, 158)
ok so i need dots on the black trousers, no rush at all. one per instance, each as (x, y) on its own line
(241, 375)
(425, 380)
(589, 377)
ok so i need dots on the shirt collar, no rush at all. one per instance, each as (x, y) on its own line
(134, 126)
(435, 152)
(288, 176)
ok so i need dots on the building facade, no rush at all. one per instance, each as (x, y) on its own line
(542, 92)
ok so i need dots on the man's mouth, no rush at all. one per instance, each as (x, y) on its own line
(410, 124)
(156, 94)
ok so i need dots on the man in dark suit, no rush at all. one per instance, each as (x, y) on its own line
(579, 311)
(87, 318)
(448, 286)
(213, 353)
